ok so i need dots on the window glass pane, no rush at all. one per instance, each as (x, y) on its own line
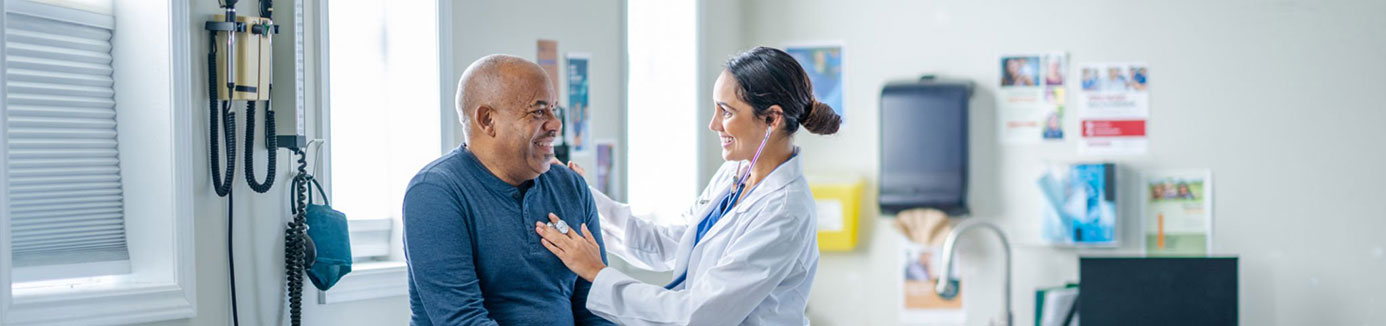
(663, 65)
(384, 102)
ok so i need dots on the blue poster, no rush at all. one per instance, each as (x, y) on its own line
(823, 63)
(578, 129)
(1080, 205)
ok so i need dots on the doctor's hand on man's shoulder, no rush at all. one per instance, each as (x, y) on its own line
(571, 166)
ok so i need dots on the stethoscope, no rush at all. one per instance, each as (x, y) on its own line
(562, 226)
(739, 184)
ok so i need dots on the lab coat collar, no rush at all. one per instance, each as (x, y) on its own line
(780, 177)
(783, 175)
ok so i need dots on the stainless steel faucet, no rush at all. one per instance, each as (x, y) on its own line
(947, 287)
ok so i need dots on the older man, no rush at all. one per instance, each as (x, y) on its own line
(473, 255)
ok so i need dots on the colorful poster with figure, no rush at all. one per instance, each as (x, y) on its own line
(823, 63)
(1113, 108)
(1179, 213)
(1055, 95)
(923, 233)
(578, 129)
(1031, 97)
(922, 266)
(605, 159)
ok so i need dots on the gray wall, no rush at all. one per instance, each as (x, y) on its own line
(1282, 100)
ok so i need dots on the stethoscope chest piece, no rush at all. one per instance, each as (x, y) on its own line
(562, 226)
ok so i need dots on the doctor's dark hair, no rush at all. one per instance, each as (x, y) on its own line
(769, 77)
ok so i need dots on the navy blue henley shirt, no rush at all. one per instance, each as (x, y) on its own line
(473, 256)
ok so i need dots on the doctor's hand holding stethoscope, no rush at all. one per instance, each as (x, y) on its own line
(745, 251)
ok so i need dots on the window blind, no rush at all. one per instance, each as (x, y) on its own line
(65, 188)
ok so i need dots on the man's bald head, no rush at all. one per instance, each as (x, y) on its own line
(498, 81)
(508, 109)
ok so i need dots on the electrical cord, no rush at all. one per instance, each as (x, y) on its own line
(231, 262)
(267, 8)
(221, 182)
(271, 146)
(295, 235)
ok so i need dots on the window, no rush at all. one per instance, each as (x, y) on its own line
(93, 227)
(384, 122)
(661, 53)
(661, 40)
(67, 214)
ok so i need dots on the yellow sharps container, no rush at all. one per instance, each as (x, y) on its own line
(838, 200)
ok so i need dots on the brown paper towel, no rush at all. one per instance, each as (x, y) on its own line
(925, 226)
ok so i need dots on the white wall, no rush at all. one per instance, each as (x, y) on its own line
(1282, 100)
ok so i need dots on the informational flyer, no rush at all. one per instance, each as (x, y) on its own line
(1179, 213)
(547, 57)
(578, 129)
(1080, 206)
(605, 158)
(1031, 97)
(823, 63)
(1055, 95)
(922, 266)
(1113, 108)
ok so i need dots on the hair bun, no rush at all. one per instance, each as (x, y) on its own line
(820, 119)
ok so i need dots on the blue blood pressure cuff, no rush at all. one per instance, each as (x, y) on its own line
(327, 230)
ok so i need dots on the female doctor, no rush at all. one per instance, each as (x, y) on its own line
(746, 250)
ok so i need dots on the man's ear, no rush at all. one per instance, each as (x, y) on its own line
(486, 120)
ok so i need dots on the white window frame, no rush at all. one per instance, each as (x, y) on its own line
(162, 283)
(383, 279)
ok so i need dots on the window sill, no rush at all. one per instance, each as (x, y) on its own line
(369, 281)
(126, 303)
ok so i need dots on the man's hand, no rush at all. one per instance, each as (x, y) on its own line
(571, 166)
(579, 252)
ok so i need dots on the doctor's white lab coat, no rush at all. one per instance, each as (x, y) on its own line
(754, 267)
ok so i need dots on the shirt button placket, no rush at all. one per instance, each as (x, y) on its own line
(524, 211)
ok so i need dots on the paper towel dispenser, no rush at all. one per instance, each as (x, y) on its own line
(924, 145)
